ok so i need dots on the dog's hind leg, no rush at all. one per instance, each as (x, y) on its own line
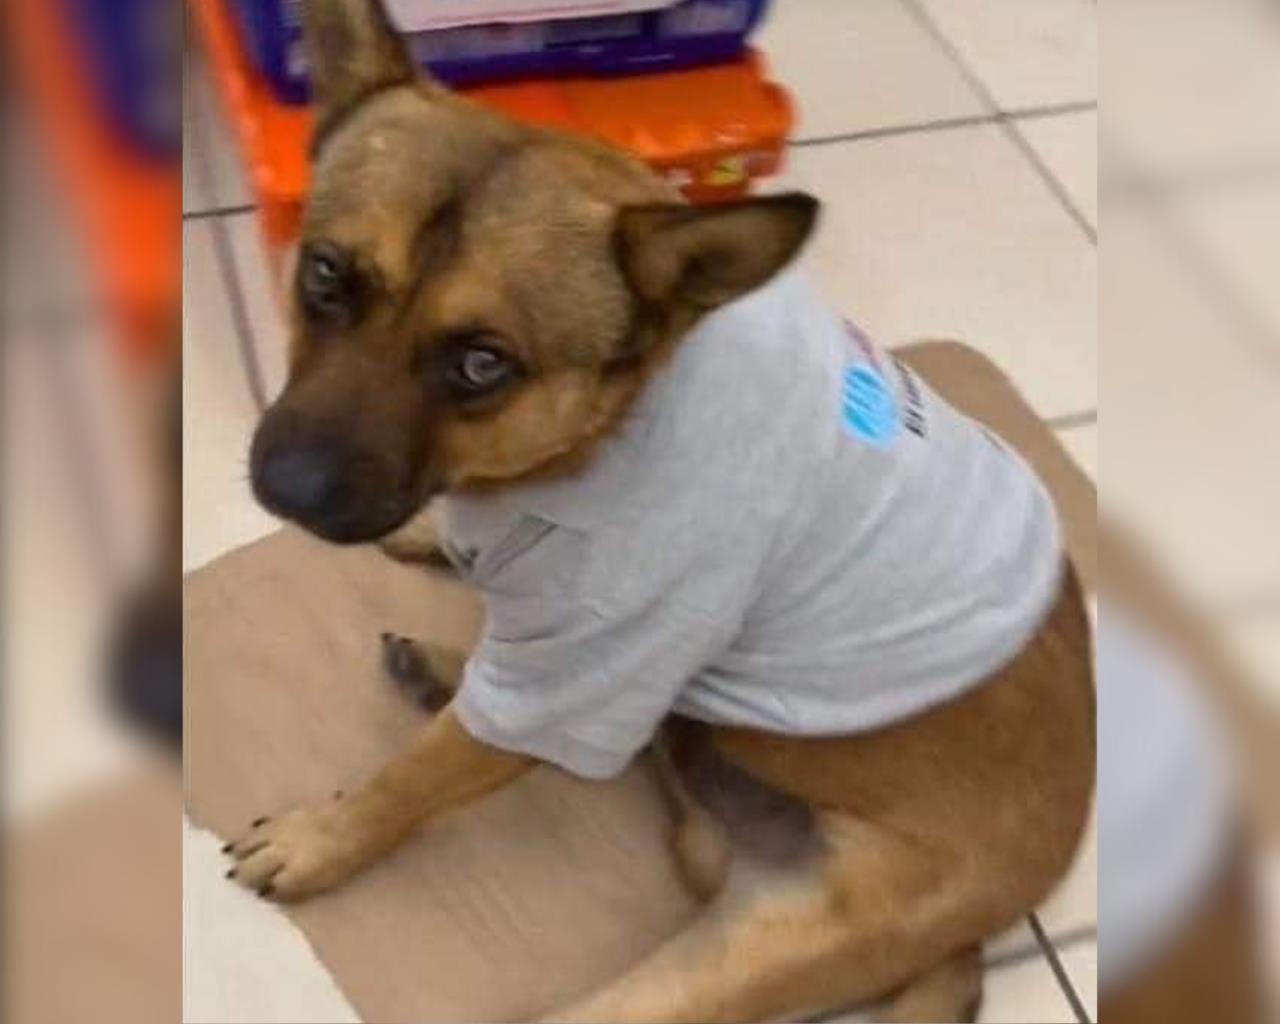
(852, 925)
(699, 842)
(426, 673)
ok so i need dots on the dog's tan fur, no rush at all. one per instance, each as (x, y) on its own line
(926, 837)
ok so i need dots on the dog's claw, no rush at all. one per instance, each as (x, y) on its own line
(259, 822)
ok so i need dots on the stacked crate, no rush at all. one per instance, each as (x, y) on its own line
(708, 118)
(495, 40)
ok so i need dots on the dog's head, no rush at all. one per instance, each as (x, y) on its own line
(474, 300)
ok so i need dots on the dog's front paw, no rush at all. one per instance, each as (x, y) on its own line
(298, 854)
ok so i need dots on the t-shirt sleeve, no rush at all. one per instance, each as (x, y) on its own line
(581, 673)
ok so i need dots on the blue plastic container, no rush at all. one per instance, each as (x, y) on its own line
(132, 55)
(693, 33)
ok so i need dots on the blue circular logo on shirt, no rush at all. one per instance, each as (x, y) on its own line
(867, 405)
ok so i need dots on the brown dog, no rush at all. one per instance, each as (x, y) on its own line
(477, 302)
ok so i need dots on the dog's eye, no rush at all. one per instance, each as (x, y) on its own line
(325, 282)
(478, 370)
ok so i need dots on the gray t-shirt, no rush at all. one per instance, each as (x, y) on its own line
(789, 531)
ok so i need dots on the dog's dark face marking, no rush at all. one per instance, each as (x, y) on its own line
(473, 300)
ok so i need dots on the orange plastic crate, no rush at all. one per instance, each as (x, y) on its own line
(711, 130)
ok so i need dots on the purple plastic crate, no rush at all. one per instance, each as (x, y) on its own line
(692, 33)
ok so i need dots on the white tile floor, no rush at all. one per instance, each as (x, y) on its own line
(951, 233)
(1068, 146)
(954, 145)
(1023, 54)
(870, 68)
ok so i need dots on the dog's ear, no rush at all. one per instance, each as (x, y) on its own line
(702, 257)
(354, 52)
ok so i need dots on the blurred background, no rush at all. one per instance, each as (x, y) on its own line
(90, 347)
(968, 154)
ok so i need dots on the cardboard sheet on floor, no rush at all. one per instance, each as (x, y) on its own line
(516, 903)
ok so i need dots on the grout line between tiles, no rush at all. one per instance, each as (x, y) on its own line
(890, 131)
(1049, 110)
(1021, 954)
(1062, 940)
(947, 123)
(219, 211)
(886, 131)
(917, 10)
(1051, 181)
(195, 115)
(1059, 972)
(1074, 420)
(245, 343)
(1074, 937)
(1012, 958)
(225, 258)
(925, 20)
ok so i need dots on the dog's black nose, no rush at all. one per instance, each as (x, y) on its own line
(326, 483)
(300, 482)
